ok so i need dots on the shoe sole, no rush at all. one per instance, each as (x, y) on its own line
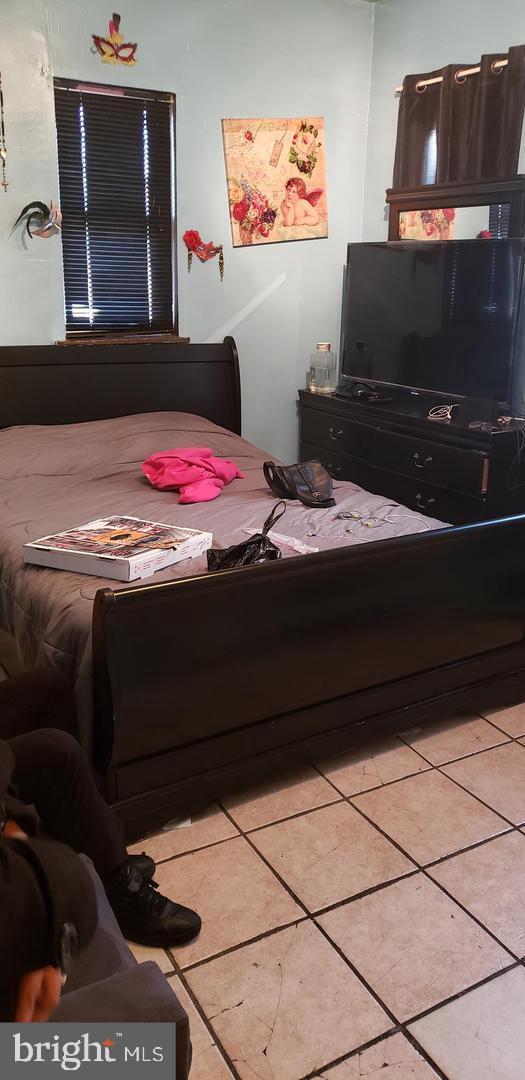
(161, 942)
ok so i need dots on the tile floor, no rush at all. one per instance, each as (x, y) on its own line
(363, 917)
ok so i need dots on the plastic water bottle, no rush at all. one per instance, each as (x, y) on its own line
(322, 376)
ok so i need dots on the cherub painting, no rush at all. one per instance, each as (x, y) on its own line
(427, 224)
(276, 179)
(298, 204)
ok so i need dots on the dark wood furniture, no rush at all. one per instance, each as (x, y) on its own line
(457, 472)
(508, 193)
(278, 663)
(61, 384)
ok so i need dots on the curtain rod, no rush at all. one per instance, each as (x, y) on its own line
(496, 66)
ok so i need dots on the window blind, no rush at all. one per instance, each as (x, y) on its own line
(116, 195)
(499, 217)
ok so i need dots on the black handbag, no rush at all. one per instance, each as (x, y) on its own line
(257, 549)
(309, 482)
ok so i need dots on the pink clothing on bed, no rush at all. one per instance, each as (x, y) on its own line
(198, 475)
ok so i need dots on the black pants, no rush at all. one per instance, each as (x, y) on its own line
(52, 771)
(34, 700)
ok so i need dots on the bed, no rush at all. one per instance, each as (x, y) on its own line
(189, 684)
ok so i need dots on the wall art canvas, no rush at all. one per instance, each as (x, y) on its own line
(275, 169)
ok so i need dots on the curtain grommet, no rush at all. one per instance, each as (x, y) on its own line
(496, 67)
(421, 87)
(459, 80)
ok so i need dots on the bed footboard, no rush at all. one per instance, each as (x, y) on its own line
(204, 682)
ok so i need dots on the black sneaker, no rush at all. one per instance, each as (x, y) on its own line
(144, 915)
(143, 864)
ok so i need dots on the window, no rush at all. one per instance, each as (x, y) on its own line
(116, 171)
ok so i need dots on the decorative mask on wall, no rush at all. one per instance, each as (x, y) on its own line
(113, 49)
(203, 251)
(40, 220)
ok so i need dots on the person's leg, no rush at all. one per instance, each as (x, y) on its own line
(44, 699)
(52, 772)
(36, 699)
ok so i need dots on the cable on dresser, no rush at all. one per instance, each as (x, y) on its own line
(442, 412)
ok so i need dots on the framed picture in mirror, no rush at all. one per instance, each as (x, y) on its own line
(460, 211)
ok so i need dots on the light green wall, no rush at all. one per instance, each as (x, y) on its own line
(420, 35)
(222, 58)
(233, 58)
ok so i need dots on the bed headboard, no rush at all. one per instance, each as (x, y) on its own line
(60, 384)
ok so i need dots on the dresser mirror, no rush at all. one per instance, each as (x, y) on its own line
(455, 223)
(492, 209)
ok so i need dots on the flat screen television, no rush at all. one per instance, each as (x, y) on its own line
(442, 317)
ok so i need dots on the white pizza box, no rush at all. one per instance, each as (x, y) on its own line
(124, 548)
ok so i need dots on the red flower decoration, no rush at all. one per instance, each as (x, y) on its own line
(240, 209)
(192, 239)
(449, 214)
(196, 246)
(248, 135)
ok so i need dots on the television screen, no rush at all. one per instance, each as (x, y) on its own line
(438, 316)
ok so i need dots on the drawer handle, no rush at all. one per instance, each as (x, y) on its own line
(335, 434)
(424, 503)
(334, 470)
(421, 462)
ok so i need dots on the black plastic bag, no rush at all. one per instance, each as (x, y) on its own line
(257, 549)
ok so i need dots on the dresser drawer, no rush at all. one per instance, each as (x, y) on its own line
(454, 467)
(338, 465)
(429, 499)
(435, 502)
(337, 433)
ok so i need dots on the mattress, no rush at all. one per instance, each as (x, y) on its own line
(56, 478)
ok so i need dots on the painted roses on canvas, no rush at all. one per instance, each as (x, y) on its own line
(275, 170)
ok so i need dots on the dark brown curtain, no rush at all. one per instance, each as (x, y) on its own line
(461, 128)
(419, 111)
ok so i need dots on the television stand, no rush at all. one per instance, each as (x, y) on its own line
(463, 470)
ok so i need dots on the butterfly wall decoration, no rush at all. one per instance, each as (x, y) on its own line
(113, 49)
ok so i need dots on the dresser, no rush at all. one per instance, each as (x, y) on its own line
(455, 471)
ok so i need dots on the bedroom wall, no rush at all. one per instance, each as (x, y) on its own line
(419, 35)
(222, 58)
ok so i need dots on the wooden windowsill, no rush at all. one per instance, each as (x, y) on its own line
(125, 339)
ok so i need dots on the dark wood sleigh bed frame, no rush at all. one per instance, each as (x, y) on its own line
(202, 684)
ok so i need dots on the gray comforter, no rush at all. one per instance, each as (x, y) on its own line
(56, 478)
